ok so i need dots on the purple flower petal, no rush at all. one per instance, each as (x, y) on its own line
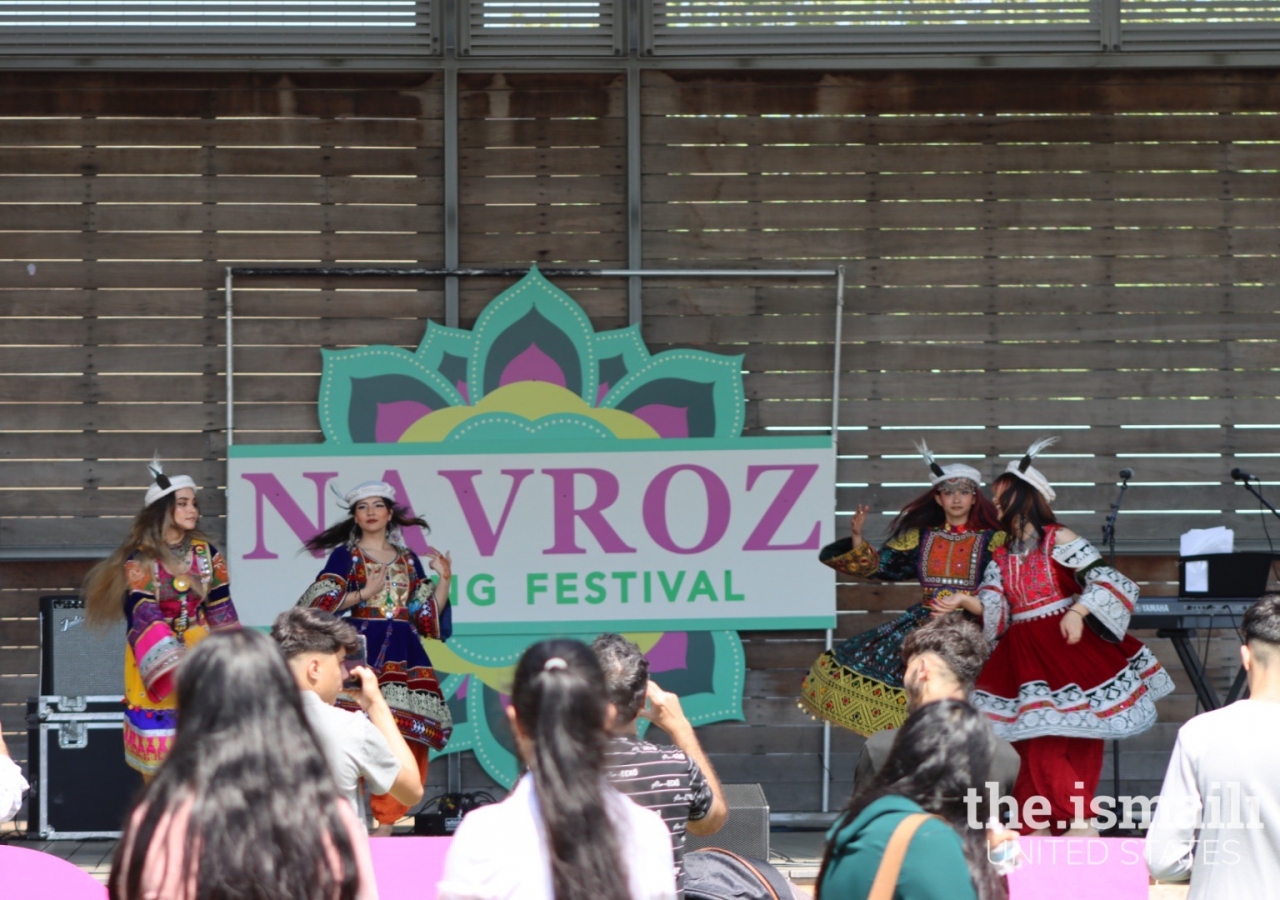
(532, 365)
(671, 652)
(668, 421)
(395, 418)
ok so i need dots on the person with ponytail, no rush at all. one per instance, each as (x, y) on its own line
(244, 806)
(943, 750)
(170, 584)
(562, 833)
(372, 576)
(1064, 676)
(944, 539)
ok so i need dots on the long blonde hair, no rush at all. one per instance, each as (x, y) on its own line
(105, 586)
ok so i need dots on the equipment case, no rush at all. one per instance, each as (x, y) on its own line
(81, 786)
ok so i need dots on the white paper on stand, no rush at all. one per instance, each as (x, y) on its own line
(1202, 541)
(1197, 576)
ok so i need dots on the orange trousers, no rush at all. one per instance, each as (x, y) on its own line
(387, 810)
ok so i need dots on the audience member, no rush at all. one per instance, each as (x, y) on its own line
(941, 751)
(12, 784)
(942, 659)
(563, 833)
(244, 806)
(314, 644)
(1219, 811)
(677, 782)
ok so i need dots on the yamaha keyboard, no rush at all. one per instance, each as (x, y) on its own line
(1184, 613)
(1177, 618)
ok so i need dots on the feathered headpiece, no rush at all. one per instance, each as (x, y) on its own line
(163, 485)
(948, 473)
(1023, 469)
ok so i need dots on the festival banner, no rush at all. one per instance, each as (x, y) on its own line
(580, 483)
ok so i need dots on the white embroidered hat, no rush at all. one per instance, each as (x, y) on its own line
(369, 489)
(163, 485)
(1023, 469)
(948, 473)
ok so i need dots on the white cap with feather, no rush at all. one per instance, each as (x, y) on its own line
(1023, 469)
(163, 485)
(952, 472)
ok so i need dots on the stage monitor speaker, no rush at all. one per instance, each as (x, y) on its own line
(747, 831)
(75, 660)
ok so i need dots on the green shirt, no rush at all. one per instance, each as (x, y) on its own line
(934, 867)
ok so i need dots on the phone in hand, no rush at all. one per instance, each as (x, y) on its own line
(353, 660)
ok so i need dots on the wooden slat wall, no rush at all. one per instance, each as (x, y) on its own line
(1012, 245)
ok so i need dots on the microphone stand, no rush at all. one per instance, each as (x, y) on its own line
(1265, 502)
(1109, 540)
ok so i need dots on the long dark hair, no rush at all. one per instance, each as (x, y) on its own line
(561, 707)
(1022, 505)
(264, 817)
(925, 513)
(347, 532)
(105, 585)
(943, 750)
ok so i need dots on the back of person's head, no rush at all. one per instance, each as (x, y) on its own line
(941, 751)
(626, 675)
(954, 640)
(305, 630)
(1262, 629)
(262, 811)
(562, 715)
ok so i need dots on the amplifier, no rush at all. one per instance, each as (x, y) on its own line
(75, 660)
(81, 787)
(747, 831)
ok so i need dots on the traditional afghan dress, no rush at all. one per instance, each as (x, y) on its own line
(858, 685)
(165, 615)
(394, 624)
(1057, 702)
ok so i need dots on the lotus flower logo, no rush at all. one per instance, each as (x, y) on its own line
(533, 368)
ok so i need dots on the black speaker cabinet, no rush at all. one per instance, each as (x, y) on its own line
(81, 785)
(747, 831)
(76, 661)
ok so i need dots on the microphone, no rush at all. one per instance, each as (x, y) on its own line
(1240, 475)
(1126, 474)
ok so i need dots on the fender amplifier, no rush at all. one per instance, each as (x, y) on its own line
(75, 660)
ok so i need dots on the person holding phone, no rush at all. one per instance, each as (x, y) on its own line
(319, 648)
(372, 576)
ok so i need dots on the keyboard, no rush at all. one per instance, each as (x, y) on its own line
(1189, 612)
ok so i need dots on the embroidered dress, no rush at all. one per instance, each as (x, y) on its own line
(165, 615)
(393, 623)
(1057, 701)
(858, 685)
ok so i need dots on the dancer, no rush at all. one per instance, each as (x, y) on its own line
(394, 605)
(171, 585)
(944, 539)
(563, 833)
(1064, 675)
(245, 807)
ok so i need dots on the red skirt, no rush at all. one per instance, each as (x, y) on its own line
(1036, 684)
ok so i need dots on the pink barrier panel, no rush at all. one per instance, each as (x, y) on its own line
(1065, 868)
(30, 873)
(409, 866)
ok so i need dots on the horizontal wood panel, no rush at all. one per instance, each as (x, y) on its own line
(543, 219)
(256, 217)
(307, 188)
(590, 132)
(224, 247)
(217, 161)
(310, 331)
(860, 128)
(607, 250)
(542, 189)
(516, 161)
(226, 132)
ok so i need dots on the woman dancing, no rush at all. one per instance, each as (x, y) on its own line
(372, 574)
(944, 539)
(171, 585)
(246, 806)
(1064, 675)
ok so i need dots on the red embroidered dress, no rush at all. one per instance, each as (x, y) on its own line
(1035, 683)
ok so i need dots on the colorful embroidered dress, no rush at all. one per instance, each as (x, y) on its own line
(1035, 684)
(393, 623)
(166, 615)
(858, 685)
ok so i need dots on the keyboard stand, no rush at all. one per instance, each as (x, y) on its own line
(1181, 638)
